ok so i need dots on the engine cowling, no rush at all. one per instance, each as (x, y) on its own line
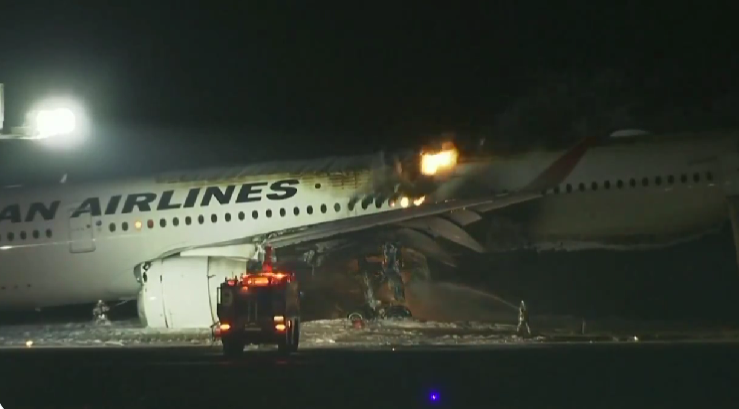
(181, 292)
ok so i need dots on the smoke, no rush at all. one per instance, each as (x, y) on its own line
(439, 301)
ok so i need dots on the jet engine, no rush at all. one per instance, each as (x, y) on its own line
(180, 292)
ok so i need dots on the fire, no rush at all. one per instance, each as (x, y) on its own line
(446, 159)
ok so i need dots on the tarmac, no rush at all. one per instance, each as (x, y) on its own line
(567, 374)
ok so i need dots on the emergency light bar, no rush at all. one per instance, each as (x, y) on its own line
(257, 281)
(260, 279)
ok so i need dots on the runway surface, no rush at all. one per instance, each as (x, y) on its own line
(598, 375)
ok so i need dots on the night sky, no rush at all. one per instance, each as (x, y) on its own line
(169, 85)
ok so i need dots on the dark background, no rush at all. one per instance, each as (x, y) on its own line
(180, 85)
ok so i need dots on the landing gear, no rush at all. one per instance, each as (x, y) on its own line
(99, 313)
(397, 311)
(391, 270)
(366, 313)
(373, 278)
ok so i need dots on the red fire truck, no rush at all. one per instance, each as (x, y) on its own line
(259, 308)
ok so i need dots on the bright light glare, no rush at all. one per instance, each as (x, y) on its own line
(404, 202)
(55, 122)
(419, 201)
(432, 163)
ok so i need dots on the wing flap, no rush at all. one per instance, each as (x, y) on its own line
(438, 227)
(350, 225)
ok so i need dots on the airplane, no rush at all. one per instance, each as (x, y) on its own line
(170, 240)
(632, 191)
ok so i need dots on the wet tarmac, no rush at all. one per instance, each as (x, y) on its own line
(597, 375)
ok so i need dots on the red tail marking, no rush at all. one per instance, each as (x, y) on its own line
(561, 168)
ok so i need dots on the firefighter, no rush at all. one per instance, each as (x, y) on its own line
(391, 270)
(99, 313)
(523, 319)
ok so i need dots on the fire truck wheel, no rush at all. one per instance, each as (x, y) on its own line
(292, 336)
(232, 348)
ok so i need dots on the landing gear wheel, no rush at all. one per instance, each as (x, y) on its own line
(291, 340)
(355, 316)
(398, 311)
(232, 348)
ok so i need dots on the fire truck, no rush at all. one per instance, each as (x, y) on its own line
(259, 308)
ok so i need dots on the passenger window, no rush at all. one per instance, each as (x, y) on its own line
(36, 234)
(378, 203)
(709, 176)
(48, 233)
(318, 185)
(309, 209)
(23, 235)
(684, 178)
(696, 178)
(645, 182)
(296, 210)
(242, 216)
(228, 217)
(671, 179)
(556, 190)
(337, 207)
(569, 188)
(582, 187)
(11, 236)
(351, 206)
(188, 220)
(619, 183)
(594, 185)
(323, 208)
(112, 227)
(282, 212)
(201, 219)
(607, 184)
(213, 218)
(163, 222)
(254, 214)
(150, 224)
(269, 212)
(124, 226)
(658, 180)
(632, 182)
(175, 221)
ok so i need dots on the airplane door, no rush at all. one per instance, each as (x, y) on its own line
(81, 239)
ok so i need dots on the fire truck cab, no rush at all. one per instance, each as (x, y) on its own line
(259, 308)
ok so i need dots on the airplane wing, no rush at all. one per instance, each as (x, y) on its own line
(330, 229)
(419, 223)
(409, 220)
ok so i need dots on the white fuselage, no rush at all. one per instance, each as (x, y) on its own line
(92, 255)
(623, 196)
(82, 243)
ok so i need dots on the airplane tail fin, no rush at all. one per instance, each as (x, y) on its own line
(561, 168)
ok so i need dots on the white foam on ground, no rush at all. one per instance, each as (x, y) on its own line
(324, 333)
